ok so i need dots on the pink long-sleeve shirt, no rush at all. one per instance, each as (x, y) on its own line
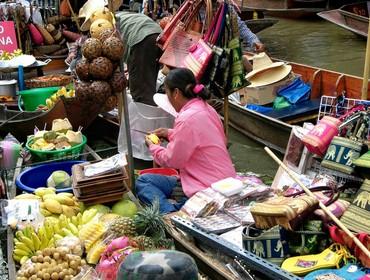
(197, 147)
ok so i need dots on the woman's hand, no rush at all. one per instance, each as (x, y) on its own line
(259, 47)
(148, 142)
(161, 132)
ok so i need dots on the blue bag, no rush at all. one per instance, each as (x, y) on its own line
(295, 92)
(259, 108)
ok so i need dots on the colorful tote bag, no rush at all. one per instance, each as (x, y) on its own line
(341, 154)
(270, 244)
(356, 217)
(318, 139)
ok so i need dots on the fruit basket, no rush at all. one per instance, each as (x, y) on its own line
(49, 81)
(70, 153)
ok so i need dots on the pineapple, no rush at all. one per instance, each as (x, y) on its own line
(122, 226)
(144, 243)
(149, 222)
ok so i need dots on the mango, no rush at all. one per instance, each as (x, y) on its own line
(53, 206)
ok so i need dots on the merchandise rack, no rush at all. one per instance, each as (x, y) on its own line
(250, 260)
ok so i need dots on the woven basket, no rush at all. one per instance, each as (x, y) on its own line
(48, 81)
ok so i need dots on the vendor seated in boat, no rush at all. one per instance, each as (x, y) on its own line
(197, 144)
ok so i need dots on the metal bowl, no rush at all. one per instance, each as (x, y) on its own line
(8, 88)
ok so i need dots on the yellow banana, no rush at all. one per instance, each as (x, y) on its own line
(17, 258)
(49, 230)
(51, 243)
(22, 246)
(74, 220)
(20, 252)
(27, 231)
(63, 222)
(45, 212)
(42, 236)
(73, 229)
(58, 237)
(23, 260)
(88, 215)
(56, 228)
(79, 218)
(36, 241)
(67, 232)
(28, 242)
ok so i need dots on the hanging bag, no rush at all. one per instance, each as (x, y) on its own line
(176, 39)
(200, 54)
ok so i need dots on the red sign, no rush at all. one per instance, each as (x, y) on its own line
(8, 40)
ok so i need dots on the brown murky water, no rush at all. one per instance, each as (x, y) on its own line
(314, 42)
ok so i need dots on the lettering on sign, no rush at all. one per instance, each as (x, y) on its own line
(8, 41)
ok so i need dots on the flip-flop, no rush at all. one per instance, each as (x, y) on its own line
(349, 271)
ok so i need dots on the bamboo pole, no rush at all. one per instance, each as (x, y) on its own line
(322, 206)
(226, 116)
(365, 81)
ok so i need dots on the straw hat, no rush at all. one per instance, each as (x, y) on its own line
(92, 6)
(270, 76)
(262, 62)
(162, 102)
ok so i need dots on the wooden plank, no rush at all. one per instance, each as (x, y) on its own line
(206, 264)
(10, 249)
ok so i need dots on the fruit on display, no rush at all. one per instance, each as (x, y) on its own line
(106, 219)
(60, 137)
(100, 208)
(92, 48)
(10, 55)
(122, 226)
(27, 196)
(84, 92)
(110, 104)
(63, 91)
(125, 208)
(94, 254)
(101, 68)
(98, 26)
(113, 48)
(144, 243)
(51, 263)
(59, 179)
(61, 203)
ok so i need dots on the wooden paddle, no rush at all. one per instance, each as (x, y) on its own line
(322, 206)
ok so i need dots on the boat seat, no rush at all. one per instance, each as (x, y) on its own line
(295, 111)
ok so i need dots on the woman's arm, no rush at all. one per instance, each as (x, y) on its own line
(179, 150)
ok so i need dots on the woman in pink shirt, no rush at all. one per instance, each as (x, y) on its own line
(197, 144)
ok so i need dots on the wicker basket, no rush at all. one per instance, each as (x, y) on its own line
(48, 81)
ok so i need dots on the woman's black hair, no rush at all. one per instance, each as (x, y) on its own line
(184, 80)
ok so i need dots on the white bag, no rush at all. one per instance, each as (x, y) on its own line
(143, 118)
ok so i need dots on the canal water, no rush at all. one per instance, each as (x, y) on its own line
(314, 42)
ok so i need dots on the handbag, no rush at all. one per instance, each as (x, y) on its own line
(177, 39)
(285, 211)
(356, 217)
(236, 79)
(200, 54)
(341, 154)
(318, 139)
(309, 239)
(271, 244)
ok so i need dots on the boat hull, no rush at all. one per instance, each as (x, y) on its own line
(354, 18)
(257, 25)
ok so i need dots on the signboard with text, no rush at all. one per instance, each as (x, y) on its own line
(8, 39)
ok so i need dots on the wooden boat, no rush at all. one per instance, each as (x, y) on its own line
(273, 129)
(257, 25)
(353, 17)
(20, 124)
(283, 8)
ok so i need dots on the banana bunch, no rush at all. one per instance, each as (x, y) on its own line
(61, 203)
(50, 102)
(27, 242)
(7, 56)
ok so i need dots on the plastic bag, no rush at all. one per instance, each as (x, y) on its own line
(72, 244)
(295, 92)
(10, 149)
(143, 118)
(259, 108)
(87, 273)
(281, 103)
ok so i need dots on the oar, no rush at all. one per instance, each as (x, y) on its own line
(322, 206)
(365, 81)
